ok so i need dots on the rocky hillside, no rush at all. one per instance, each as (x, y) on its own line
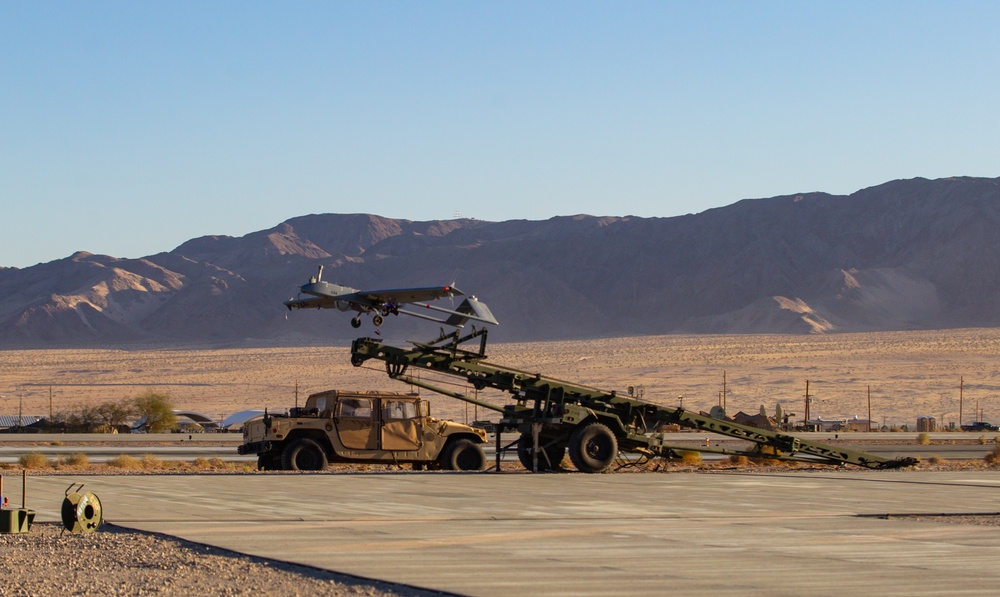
(911, 254)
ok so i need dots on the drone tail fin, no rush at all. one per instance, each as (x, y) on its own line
(471, 308)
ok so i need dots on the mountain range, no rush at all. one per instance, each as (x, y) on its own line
(904, 255)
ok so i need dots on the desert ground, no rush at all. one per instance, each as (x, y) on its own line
(908, 374)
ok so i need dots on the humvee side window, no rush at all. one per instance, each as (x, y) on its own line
(360, 408)
(393, 410)
(321, 404)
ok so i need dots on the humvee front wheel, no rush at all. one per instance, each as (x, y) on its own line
(303, 455)
(269, 462)
(464, 455)
(593, 448)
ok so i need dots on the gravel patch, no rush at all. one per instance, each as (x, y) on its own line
(986, 520)
(119, 561)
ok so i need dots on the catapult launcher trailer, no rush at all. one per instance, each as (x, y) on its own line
(594, 425)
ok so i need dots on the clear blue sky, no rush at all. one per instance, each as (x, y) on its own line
(127, 128)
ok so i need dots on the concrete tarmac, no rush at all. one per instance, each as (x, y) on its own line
(794, 533)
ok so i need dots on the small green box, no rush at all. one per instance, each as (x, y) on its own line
(16, 520)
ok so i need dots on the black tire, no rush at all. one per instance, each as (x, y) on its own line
(303, 455)
(554, 452)
(377, 320)
(356, 322)
(463, 455)
(269, 462)
(593, 448)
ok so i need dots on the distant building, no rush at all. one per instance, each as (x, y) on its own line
(926, 424)
(854, 424)
(8, 421)
(759, 421)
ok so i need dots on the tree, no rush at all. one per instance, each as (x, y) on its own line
(113, 414)
(158, 411)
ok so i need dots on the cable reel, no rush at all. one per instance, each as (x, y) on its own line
(81, 512)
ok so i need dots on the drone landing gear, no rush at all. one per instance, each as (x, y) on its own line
(356, 322)
(377, 320)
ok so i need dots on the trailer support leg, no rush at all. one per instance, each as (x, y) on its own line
(536, 428)
(499, 449)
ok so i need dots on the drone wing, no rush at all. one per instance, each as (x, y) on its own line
(398, 296)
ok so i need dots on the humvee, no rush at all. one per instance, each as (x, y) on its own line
(367, 427)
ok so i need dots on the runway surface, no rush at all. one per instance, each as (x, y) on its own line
(100, 448)
(815, 533)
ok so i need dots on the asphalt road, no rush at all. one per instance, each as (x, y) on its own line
(853, 532)
(100, 448)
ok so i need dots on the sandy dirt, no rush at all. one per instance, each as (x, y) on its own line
(909, 374)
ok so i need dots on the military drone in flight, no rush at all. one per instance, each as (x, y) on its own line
(382, 303)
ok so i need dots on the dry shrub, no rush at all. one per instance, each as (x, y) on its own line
(201, 463)
(55, 443)
(150, 462)
(125, 461)
(924, 439)
(982, 440)
(33, 460)
(739, 460)
(690, 457)
(78, 459)
(936, 460)
(993, 457)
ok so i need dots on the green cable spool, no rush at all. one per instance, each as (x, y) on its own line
(81, 512)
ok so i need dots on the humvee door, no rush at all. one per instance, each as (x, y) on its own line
(356, 424)
(401, 424)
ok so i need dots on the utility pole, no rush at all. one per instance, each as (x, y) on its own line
(296, 394)
(50, 403)
(869, 409)
(724, 390)
(961, 389)
(808, 400)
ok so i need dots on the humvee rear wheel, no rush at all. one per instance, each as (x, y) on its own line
(593, 448)
(464, 455)
(549, 456)
(303, 455)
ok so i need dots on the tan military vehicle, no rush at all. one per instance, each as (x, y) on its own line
(372, 427)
